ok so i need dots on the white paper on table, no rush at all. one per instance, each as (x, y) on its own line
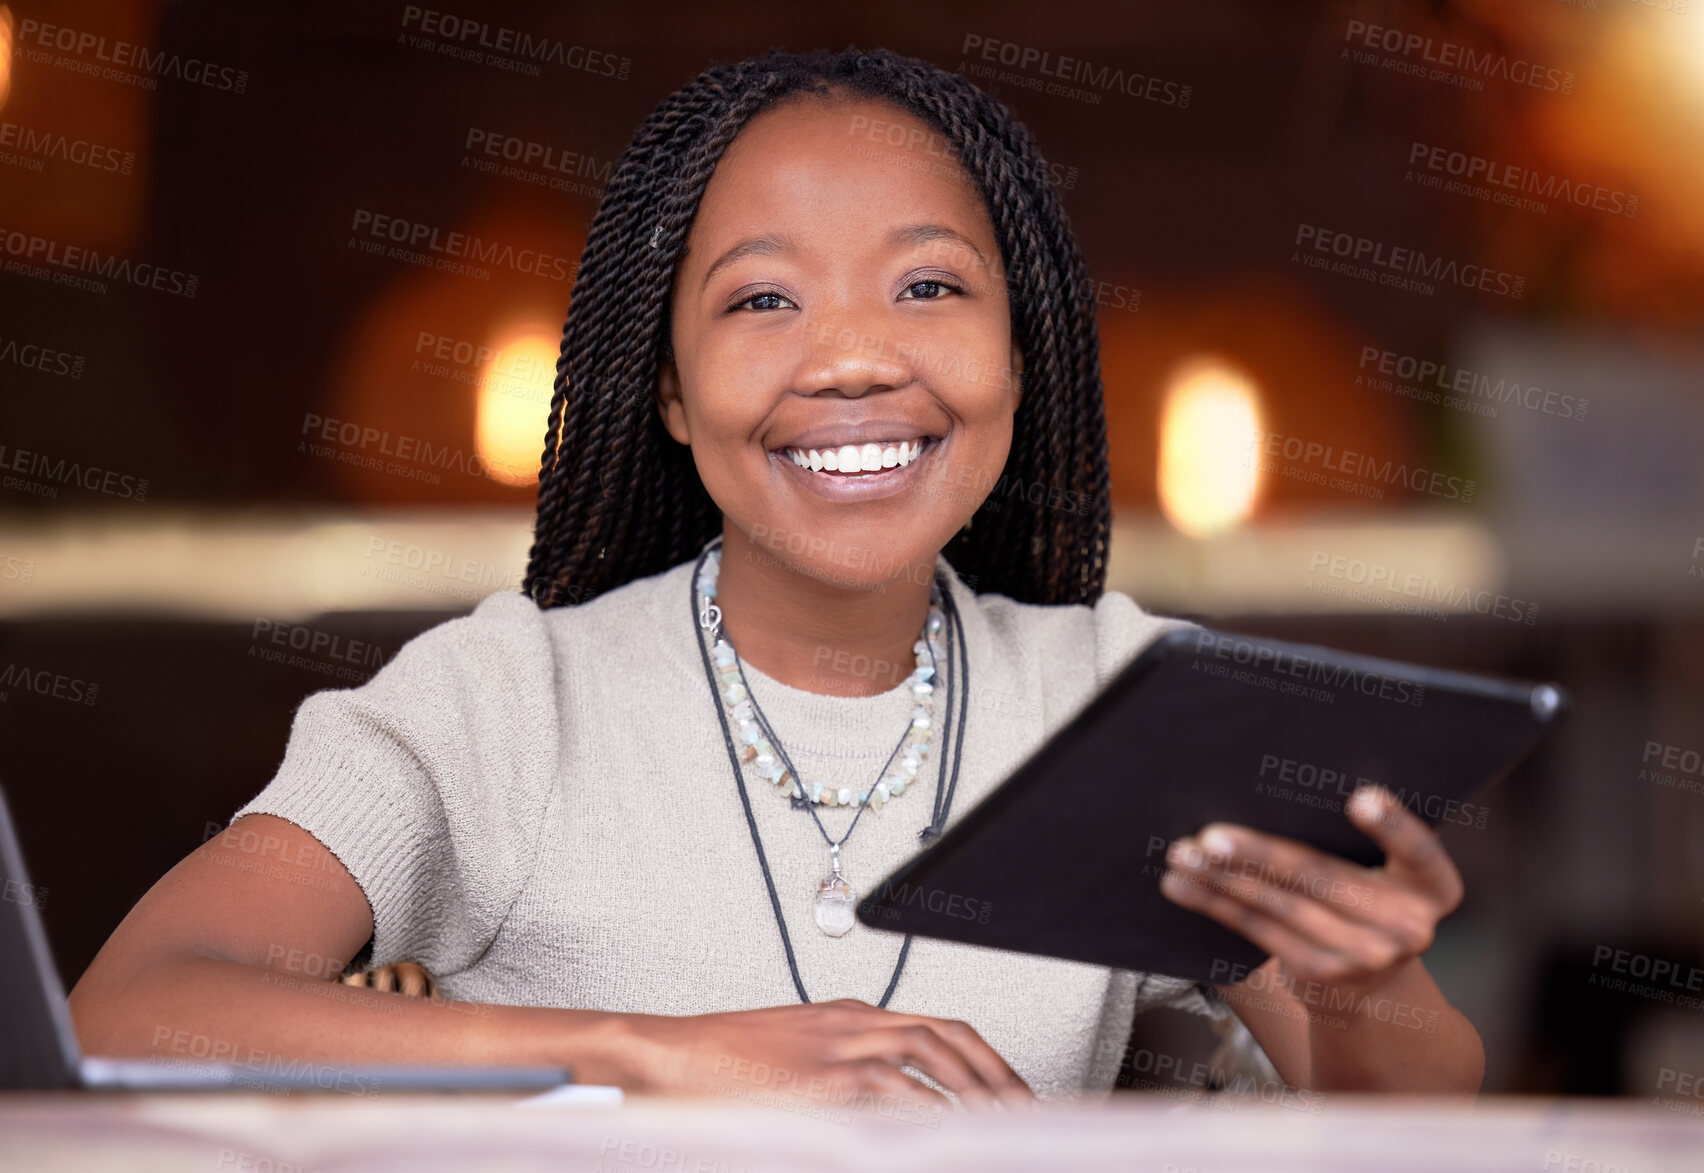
(583, 1094)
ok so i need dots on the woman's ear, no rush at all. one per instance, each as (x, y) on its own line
(1017, 372)
(668, 401)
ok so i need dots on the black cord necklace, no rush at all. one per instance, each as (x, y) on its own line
(952, 747)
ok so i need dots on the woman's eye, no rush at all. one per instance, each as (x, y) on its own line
(930, 290)
(762, 301)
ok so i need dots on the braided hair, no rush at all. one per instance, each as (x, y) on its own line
(620, 499)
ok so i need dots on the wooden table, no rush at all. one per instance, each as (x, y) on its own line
(231, 1133)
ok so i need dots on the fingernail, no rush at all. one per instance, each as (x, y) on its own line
(1218, 842)
(1187, 855)
(1367, 803)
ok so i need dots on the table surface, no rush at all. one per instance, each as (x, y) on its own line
(274, 1133)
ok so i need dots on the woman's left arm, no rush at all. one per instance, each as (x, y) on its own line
(1343, 1003)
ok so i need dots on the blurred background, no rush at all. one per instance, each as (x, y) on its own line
(1401, 308)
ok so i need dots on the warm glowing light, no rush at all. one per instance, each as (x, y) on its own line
(1209, 474)
(514, 404)
(7, 38)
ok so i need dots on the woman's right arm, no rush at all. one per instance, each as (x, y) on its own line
(235, 954)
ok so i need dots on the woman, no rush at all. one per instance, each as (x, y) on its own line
(828, 309)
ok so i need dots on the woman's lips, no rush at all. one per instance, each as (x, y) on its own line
(861, 486)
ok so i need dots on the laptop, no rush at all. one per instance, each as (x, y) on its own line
(40, 1051)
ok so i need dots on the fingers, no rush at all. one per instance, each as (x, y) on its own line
(919, 1046)
(1303, 955)
(952, 1053)
(405, 977)
(1294, 866)
(1321, 914)
(1413, 850)
(883, 1078)
(411, 979)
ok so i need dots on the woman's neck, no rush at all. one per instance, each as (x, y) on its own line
(818, 635)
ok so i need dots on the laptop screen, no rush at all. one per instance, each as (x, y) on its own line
(41, 1047)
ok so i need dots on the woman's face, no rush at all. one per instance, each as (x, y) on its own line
(842, 288)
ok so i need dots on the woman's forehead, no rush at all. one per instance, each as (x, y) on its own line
(852, 163)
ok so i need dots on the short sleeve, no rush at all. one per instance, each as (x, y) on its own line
(428, 782)
(1123, 629)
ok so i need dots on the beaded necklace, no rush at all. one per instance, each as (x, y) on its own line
(835, 899)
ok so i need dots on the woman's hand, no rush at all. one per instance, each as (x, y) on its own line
(1324, 918)
(836, 1055)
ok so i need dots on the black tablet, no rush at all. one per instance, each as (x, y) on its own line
(1064, 857)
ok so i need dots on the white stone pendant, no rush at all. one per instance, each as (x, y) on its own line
(835, 905)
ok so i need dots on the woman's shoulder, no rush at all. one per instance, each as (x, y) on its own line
(1109, 633)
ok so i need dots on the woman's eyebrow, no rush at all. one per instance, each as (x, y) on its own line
(915, 234)
(753, 246)
(766, 246)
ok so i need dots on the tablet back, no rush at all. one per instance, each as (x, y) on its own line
(1064, 857)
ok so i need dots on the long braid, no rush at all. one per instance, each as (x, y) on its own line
(619, 499)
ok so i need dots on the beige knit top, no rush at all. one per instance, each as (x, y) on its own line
(539, 807)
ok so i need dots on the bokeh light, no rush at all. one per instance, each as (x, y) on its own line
(1208, 474)
(514, 404)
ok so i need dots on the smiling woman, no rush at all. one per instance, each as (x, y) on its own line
(823, 319)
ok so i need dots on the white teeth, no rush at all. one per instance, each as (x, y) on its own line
(869, 457)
